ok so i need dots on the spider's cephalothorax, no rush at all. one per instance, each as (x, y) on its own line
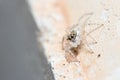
(72, 36)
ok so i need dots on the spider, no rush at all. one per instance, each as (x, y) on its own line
(75, 39)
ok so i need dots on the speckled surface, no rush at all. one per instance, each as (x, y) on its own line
(54, 16)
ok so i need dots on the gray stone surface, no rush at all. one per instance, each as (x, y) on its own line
(20, 57)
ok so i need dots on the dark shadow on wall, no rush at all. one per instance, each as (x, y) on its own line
(20, 56)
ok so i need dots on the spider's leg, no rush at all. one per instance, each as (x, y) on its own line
(94, 29)
(94, 41)
(85, 42)
(88, 34)
(83, 24)
(87, 14)
(87, 47)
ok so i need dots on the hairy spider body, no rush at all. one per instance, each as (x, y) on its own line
(75, 39)
(71, 42)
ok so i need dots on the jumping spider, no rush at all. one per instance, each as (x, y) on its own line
(75, 39)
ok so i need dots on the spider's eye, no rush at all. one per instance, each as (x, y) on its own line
(72, 36)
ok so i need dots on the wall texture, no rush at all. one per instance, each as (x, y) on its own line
(53, 17)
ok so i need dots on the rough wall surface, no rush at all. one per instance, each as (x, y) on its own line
(53, 17)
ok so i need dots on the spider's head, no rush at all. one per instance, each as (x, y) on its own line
(72, 36)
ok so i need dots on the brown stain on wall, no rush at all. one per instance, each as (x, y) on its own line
(61, 4)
